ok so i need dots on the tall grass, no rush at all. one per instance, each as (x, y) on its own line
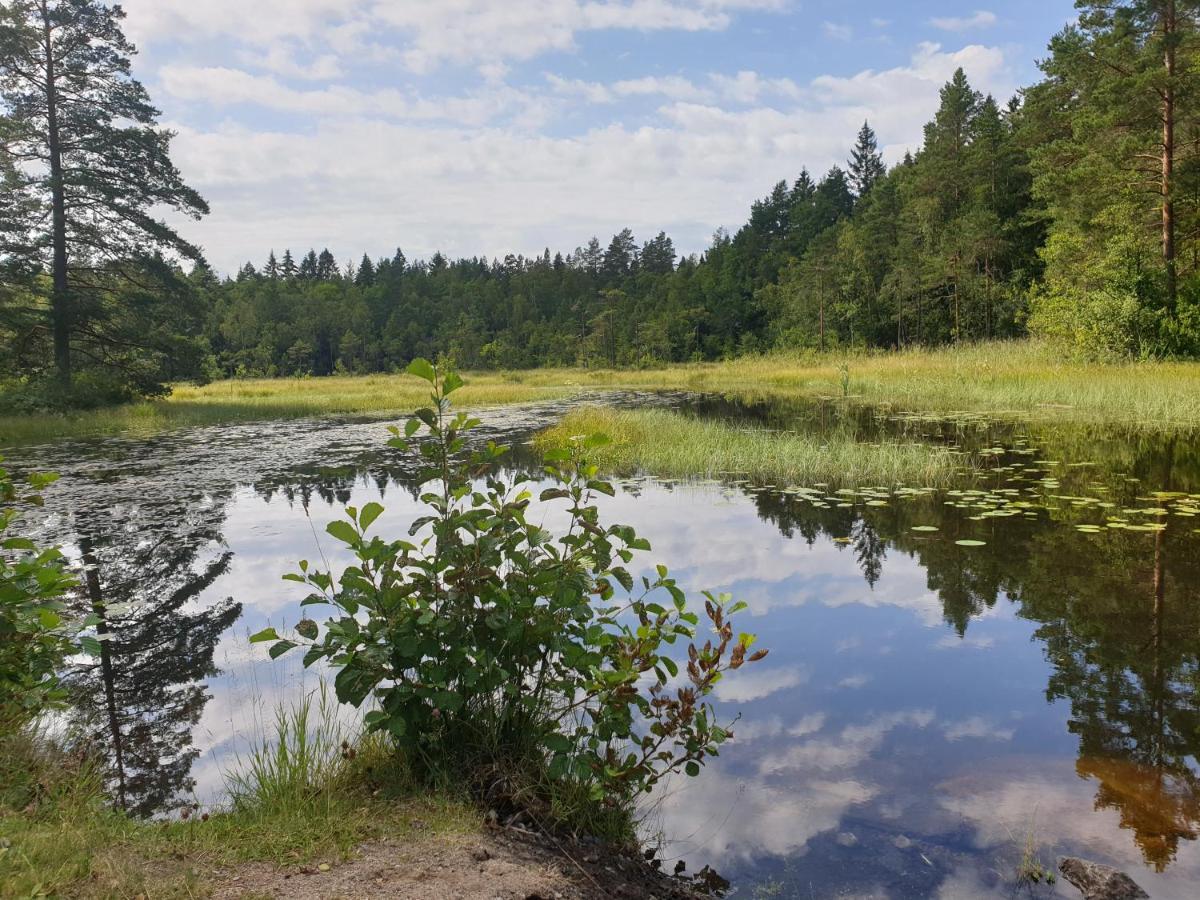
(292, 766)
(299, 796)
(672, 445)
(1022, 380)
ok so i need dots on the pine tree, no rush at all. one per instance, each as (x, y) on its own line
(83, 132)
(866, 162)
(271, 269)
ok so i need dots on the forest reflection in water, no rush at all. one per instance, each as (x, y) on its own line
(927, 704)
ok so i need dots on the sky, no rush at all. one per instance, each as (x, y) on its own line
(484, 127)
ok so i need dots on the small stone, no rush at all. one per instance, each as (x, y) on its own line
(847, 839)
(480, 854)
(900, 842)
(323, 867)
(1098, 882)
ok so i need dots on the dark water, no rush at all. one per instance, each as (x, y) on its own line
(929, 707)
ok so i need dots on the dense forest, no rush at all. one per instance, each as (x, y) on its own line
(1071, 211)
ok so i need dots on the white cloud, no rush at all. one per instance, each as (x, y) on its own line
(977, 727)
(756, 683)
(851, 747)
(980, 19)
(837, 32)
(281, 59)
(364, 168)
(954, 642)
(854, 681)
(750, 87)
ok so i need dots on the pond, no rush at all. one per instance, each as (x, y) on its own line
(958, 679)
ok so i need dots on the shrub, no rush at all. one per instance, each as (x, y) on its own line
(489, 644)
(33, 637)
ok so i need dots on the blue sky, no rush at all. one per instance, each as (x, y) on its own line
(484, 127)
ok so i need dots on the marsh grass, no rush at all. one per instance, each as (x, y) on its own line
(1020, 380)
(301, 796)
(670, 444)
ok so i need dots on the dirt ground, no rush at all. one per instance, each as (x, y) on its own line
(501, 864)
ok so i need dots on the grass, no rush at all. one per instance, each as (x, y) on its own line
(269, 399)
(306, 798)
(1021, 380)
(672, 445)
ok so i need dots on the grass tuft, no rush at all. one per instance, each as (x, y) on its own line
(672, 445)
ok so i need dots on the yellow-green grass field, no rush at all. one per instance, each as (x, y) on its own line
(1019, 380)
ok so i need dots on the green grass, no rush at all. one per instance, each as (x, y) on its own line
(672, 445)
(1020, 380)
(302, 801)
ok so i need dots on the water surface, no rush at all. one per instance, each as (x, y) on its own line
(928, 708)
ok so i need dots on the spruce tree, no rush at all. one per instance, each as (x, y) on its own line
(866, 162)
(365, 277)
(288, 267)
(84, 135)
(271, 269)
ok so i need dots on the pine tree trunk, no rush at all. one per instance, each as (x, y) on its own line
(1170, 28)
(60, 305)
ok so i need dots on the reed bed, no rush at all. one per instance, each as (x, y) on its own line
(670, 444)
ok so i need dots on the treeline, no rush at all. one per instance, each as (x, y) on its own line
(1071, 211)
(939, 249)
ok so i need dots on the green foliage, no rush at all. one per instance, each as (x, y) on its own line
(486, 642)
(1110, 131)
(34, 638)
(84, 284)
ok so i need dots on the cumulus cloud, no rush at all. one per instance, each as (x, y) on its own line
(309, 123)
(980, 19)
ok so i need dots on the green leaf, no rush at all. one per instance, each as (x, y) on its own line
(422, 368)
(267, 634)
(369, 514)
(89, 645)
(411, 427)
(49, 618)
(692, 769)
(452, 382)
(277, 650)
(558, 743)
(343, 531)
(447, 700)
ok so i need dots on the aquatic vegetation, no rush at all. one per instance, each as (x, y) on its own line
(669, 444)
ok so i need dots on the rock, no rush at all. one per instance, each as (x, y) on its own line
(848, 839)
(1099, 882)
(480, 854)
(900, 842)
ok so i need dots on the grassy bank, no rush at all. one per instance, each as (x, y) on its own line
(672, 445)
(273, 398)
(298, 803)
(1021, 380)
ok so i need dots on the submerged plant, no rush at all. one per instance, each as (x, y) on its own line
(490, 644)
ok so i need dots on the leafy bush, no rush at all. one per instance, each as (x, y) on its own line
(489, 643)
(33, 639)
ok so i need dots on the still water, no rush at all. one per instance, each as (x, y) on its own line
(954, 676)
